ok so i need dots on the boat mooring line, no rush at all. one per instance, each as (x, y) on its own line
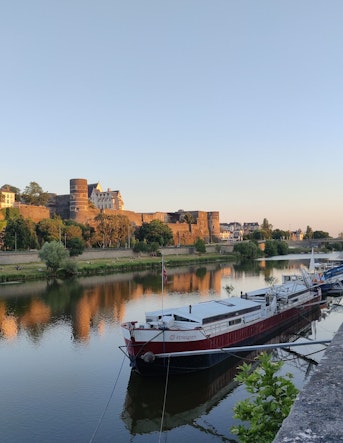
(240, 349)
(164, 400)
(108, 402)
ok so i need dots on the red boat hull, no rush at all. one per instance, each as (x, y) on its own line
(252, 334)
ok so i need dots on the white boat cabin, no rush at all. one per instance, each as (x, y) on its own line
(233, 309)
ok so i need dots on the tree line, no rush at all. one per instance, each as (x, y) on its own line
(19, 233)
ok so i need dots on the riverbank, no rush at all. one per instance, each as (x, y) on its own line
(114, 263)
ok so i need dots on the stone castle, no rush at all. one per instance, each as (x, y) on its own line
(86, 201)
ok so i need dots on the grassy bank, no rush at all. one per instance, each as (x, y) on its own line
(37, 271)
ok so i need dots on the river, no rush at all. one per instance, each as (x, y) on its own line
(64, 378)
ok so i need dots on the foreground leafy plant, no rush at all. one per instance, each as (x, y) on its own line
(270, 403)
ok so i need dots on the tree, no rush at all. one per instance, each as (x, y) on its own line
(34, 195)
(321, 234)
(155, 231)
(271, 400)
(270, 248)
(200, 246)
(279, 234)
(309, 233)
(189, 219)
(54, 255)
(76, 246)
(247, 250)
(111, 230)
(20, 233)
(266, 229)
(50, 229)
(257, 235)
(282, 247)
(86, 230)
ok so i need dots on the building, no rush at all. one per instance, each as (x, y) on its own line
(7, 198)
(250, 227)
(105, 199)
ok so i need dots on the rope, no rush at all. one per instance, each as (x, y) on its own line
(164, 400)
(103, 414)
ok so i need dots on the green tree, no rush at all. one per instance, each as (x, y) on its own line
(282, 247)
(76, 246)
(247, 250)
(11, 213)
(321, 234)
(155, 231)
(272, 397)
(258, 234)
(270, 248)
(20, 233)
(54, 255)
(279, 234)
(266, 229)
(50, 229)
(309, 233)
(34, 195)
(200, 246)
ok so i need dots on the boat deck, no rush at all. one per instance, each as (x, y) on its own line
(201, 311)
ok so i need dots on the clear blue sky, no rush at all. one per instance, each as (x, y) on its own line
(234, 106)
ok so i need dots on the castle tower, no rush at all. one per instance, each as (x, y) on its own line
(78, 198)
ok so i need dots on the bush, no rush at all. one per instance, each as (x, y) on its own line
(76, 246)
(271, 401)
(200, 246)
(54, 255)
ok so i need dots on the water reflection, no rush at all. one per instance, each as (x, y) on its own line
(192, 396)
(59, 353)
(85, 304)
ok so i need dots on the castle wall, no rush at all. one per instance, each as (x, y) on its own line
(59, 205)
(35, 213)
(76, 206)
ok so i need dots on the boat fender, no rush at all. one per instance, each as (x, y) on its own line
(148, 357)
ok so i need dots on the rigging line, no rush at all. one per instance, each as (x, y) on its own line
(104, 412)
(164, 399)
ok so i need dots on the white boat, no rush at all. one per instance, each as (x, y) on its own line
(194, 337)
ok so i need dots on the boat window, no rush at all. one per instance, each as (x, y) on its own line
(298, 293)
(230, 314)
(235, 322)
(179, 318)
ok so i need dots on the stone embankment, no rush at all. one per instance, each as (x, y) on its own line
(316, 415)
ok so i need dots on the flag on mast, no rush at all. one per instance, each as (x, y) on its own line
(165, 275)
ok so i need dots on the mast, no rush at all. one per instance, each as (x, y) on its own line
(162, 281)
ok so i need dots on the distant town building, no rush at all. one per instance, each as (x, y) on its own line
(232, 231)
(250, 227)
(7, 198)
(297, 235)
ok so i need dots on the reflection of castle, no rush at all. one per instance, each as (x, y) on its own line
(89, 306)
(86, 201)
